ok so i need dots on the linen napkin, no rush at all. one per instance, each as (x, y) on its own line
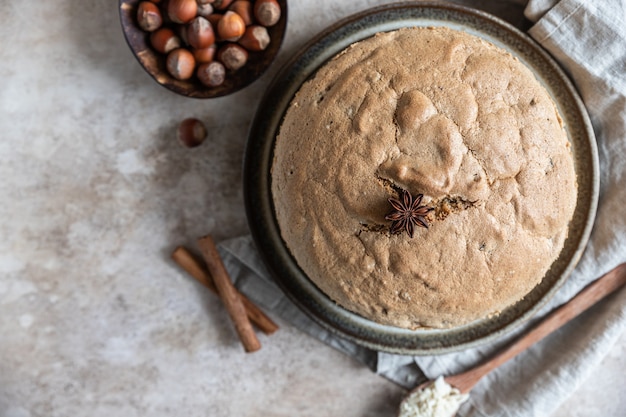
(589, 41)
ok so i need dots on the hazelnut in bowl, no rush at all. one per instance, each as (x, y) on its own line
(204, 48)
(421, 178)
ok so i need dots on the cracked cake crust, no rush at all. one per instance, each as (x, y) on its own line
(433, 111)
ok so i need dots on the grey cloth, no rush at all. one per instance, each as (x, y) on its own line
(589, 41)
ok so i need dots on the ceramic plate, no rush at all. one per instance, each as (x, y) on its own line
(259, 154)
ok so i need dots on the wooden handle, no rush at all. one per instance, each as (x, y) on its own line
(229, 294)
(196, 268)
(586, 298)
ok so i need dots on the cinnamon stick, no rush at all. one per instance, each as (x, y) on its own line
(229, 294)
(196, 268)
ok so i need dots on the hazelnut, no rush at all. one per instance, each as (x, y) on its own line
(231, 27)
(181, 31)
(214, 19)
(205, 10)
(207, 38)
(244, 9)
(267, 12)
(200, 33)
(211, 74)
(191, 132)
(222, 4)
(205, 55)
(256, 38)
(149, 16)
(182, 11)
(233, 56)
(180, 64)
(164, 40)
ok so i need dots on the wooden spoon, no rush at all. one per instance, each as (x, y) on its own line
(586, 298)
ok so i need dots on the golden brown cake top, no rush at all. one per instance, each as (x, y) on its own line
(432, 111)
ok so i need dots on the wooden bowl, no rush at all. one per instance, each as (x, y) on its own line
(154, 62)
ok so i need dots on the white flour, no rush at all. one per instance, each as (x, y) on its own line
(438, 399)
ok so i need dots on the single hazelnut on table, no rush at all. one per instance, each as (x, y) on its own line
(180, 64)
(200, 33)
(182, 11)
(256, 38)
(222, 4)
(211, 74)
(204, 55)
(267, 12)
(230, 27)
(244, 9)
(149, 16)
(233, 56)
(191, 132)
(164, 40)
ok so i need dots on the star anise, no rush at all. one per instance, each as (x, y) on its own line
(407, 213)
